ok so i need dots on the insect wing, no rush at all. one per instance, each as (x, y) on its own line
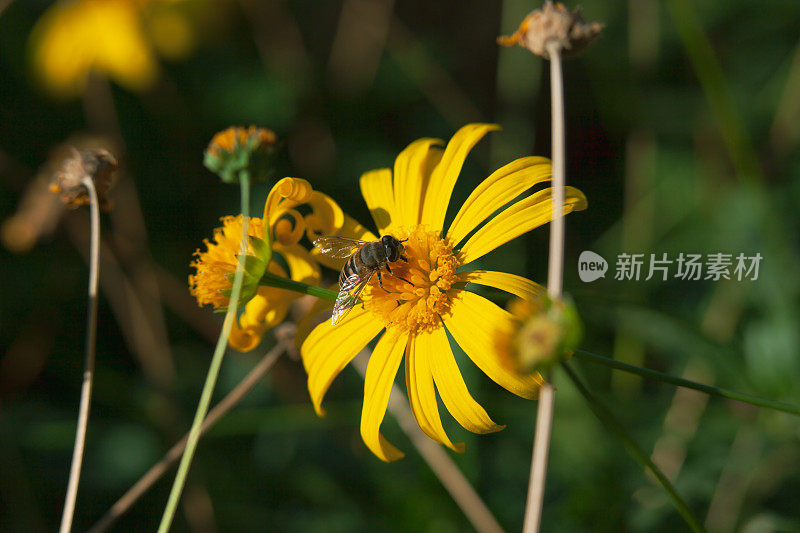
(348, 296)
(338, 247)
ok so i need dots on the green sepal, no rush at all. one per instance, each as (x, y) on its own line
(556, 318)
(252, 157)
(572, 328)
(254, 269)
(261, 248)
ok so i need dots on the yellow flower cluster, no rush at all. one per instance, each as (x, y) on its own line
(425, 300)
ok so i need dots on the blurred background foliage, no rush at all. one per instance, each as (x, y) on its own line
(683, 131)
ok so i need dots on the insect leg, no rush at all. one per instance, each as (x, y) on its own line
(395, 275)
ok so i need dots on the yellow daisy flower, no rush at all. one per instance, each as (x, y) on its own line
(410, 203)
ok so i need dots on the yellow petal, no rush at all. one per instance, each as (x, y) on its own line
(421, 393)
(511, 283)
(376, 187)
(289, 191)
(328, 216)
(494, 192)
(475, 324)
(72, 38)
(452, 388)
(381, 370)
(328, 349)
(352, 229)
(444, 176)
(289, 229)
(264, 311)
(309, 320)
(517, 219)
(302, 265)
(120, 44)
(412, 171)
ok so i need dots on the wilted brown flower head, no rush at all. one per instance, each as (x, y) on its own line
(554, 23)
(98, 164)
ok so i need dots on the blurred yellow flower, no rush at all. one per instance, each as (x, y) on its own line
(113, 37)
(415, 315)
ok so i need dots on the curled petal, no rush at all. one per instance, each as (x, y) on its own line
(302, 266)
(381, 371)
(289, 191)
(289, 229)
(328, 216)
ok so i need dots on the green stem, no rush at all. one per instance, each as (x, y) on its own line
(271, 280)
(680, 382)
(615, 427)
(213, 371)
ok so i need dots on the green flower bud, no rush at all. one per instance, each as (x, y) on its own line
(237, 150)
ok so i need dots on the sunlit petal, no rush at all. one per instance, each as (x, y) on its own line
(376, 187)
(474, 322)
(452, 388)
(502, 186)
(511, 283)
(421, 392)
(381, 371)
(412, 172)
(328, 349)
(517, 219)
(444, 176)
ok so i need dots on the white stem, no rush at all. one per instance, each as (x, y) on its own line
(555, 280)
(555, 269)
(88, 370)
(541, 449)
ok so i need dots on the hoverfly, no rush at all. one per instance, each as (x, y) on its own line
(365, 259)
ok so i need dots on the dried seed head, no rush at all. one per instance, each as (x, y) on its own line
(554, 23)
(97, 164)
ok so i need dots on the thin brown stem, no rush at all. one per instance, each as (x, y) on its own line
(555, 271)
(88, 367)
(171, 457)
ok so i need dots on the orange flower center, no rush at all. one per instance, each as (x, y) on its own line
(226, 141)
(415, 295)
